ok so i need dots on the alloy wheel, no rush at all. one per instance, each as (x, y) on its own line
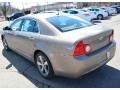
(43, 65)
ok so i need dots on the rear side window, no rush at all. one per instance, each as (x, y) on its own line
(65, 11)
(36, 28)
(29, 26)
(96, 9)
(91, 9)
(65, 23)
(73, 12)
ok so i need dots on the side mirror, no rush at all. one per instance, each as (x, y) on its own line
(7, 28)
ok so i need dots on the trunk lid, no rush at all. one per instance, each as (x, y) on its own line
(97, 36)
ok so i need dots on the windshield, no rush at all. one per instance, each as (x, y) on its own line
(65, 23)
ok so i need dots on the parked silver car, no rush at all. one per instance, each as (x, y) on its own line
(62, 45)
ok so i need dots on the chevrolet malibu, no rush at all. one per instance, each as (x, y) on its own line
(61, 45)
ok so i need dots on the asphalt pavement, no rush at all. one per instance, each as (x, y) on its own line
(16, 71)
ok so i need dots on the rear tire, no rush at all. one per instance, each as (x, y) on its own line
(44, 66)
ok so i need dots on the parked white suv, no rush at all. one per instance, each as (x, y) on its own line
(109, 10)
(101, 14)
(77, 12)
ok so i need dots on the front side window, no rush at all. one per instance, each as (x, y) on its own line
(29, 26)
(16, 25)
(65, 23)
(36, 28)
(96, 9)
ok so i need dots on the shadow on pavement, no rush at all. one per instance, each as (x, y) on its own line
(99, 21)
(96, 21)
(107, 18)
(105, 77)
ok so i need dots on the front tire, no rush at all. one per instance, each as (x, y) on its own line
(44, 66)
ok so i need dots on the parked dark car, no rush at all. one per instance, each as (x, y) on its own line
(117, 7)
(15, 16)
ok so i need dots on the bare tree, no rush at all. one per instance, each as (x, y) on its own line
(4, 7)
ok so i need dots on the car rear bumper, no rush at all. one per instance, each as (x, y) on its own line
(106, 15)
(77, 66)
(93, 17)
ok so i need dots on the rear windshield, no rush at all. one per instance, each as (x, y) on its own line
(65, 23)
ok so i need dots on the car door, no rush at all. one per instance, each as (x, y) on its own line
(27, 37)
(11, 35)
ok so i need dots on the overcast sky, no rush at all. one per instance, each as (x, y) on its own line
(22, 5)
(28, 3)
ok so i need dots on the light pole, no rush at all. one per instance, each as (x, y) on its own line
(9, 3)
(46, 5)
(23, 6)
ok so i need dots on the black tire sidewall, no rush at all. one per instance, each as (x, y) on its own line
(51, 72)
(101, 16)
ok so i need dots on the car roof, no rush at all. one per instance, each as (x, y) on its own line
(78, 10)
(74, 9)
(41, 15)
(115, 6)
(49, 11)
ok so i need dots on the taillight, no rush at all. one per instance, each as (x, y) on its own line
(111, 37)
(82, 49)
